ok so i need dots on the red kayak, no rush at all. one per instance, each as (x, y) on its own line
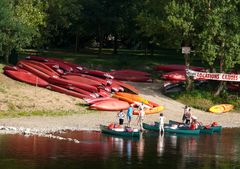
(33, 70)
(92, 101)
(55, 67)
(10, 68)
(27, 77)
(175, 75)
(65, 65)
(76, 89)
(61, 81)
(127, 87)
(129, 72)
(175, 67)
(126, 77)
(98, 73)
(37, 58)
(110, 105)
(102, 81)
(66, 91)
(82, 79)
(103, 93)
(40, 66)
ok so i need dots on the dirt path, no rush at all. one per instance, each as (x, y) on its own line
(18, 96)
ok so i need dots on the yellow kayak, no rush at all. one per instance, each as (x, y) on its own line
(150, 110)
(134, 97)
(221, 108)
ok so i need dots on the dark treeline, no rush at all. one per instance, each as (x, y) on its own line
(209, 27)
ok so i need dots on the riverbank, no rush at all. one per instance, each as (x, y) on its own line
(91, 120)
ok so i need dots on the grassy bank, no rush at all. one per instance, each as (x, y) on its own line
(204, 99)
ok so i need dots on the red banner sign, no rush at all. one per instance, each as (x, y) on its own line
(212, 76)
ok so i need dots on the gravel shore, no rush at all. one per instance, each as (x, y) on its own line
(91, 121)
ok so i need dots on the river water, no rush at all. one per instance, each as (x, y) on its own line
(100, 151)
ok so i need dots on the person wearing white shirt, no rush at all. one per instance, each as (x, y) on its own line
(161, 123)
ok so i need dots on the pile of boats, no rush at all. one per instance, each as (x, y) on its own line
(171, 127)
(174, 77)
(94, 86)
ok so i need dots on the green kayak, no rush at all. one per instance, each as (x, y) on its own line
(169, 129)
(105, 129)
(202, 128)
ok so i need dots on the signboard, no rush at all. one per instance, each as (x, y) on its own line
(212, 76)
(186, 49)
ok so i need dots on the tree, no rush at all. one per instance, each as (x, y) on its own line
(180, 19)
(211, 27)
(150, 21)
(218, 40)
(20, 20)
(63, 22)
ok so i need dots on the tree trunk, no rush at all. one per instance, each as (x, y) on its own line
(221, 84)
(221, 87)
(189, 81)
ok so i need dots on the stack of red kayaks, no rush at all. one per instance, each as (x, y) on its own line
(92, 85)
(175, 76)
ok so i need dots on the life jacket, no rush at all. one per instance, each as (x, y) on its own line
(192, 126)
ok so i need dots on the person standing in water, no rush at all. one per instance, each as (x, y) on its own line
(141, 118)
(161, 123)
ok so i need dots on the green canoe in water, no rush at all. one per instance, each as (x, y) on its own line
(169, 129)
(105, 129)
(203, 129)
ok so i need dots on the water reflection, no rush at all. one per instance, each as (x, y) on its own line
(160, 145)
(140, 147)
(97, 150)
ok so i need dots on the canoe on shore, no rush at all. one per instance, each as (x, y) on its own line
(169, 129)
(221, 108)
(105, 129)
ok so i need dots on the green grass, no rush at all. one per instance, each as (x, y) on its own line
(134, 59)
(16, 113)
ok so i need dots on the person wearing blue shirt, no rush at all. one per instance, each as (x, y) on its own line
(129, 115)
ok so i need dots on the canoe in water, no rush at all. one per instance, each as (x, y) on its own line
(221, 108)
(203, 129)
(105, 129)
(110, 105)
(169, 129)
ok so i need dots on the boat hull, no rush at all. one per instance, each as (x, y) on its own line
(104, 129)
(168, 129)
